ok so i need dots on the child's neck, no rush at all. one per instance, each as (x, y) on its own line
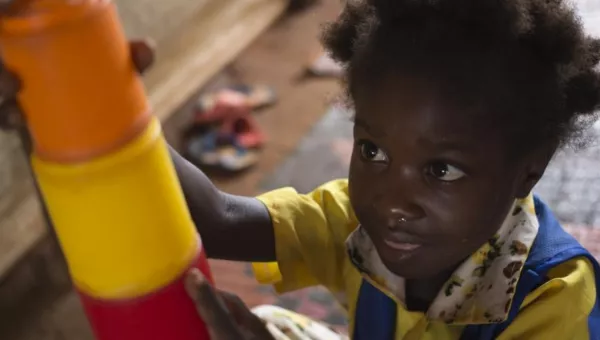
(420, 293)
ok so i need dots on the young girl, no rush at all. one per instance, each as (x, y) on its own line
(459, 107)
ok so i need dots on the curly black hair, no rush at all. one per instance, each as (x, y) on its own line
(527, 61)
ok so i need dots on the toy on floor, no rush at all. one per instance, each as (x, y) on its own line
(104, 169)
(224, 134)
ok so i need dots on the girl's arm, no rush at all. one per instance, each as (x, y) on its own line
(232, 227)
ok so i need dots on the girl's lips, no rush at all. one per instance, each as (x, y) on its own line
(401, 246)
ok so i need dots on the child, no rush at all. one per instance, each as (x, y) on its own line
(460, 105)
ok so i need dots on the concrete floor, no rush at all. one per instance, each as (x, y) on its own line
(277, 58)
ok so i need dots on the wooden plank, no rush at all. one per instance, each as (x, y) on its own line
(203, 47)
(196, 52)
(157, 19)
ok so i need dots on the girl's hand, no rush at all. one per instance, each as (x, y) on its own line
(225, 315)
(142, 55)
(5, 4)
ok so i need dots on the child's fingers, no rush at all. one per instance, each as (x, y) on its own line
(5, 4)
(142, 54)
(234, 305)
(211, 308)
(10, 113)
(9, 83)
(244, 316)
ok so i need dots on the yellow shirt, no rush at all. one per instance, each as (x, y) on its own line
(311, 232)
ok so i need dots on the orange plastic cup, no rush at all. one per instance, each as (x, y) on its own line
(81, 95)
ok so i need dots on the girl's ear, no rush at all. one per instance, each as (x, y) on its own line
(534, 167)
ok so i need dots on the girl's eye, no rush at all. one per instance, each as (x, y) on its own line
(370, 152)
(445, 172)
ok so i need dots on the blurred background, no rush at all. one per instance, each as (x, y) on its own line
(245, 92)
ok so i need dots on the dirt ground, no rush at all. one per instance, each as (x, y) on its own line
(277, 58)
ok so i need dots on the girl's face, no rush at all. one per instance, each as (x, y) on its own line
(427, 185)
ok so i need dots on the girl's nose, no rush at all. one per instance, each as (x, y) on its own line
(400, 214)
(397, 209)
(397, 201)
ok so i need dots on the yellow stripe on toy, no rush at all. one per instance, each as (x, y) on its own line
(126, 202)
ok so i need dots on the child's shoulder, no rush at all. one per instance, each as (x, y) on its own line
(329, 202)
(553, 244)
(569, 275)
(571, 288)
(336, 190)
(338, 186)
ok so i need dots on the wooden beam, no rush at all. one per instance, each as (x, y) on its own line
(202, 48)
